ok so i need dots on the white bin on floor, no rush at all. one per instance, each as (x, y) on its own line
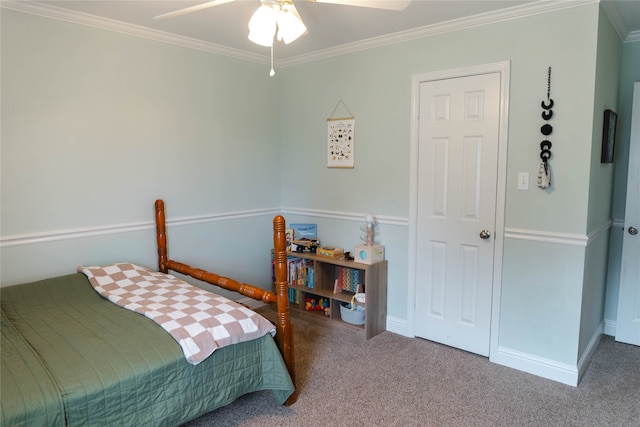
(355, 316)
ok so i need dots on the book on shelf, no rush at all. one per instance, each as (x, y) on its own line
(294, 296)
(304, 231)
(347, 280)
(310, 276)
(300, 272)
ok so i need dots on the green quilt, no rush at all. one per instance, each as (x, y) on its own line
(70, 357)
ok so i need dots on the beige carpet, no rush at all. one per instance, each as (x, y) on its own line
(392, 380)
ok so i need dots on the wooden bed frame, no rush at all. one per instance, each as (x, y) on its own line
(284, 329)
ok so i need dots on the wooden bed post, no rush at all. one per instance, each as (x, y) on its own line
(284, 329)
(161, 237)
(284, 333)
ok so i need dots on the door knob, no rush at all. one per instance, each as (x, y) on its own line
(485, 234)
(633, 231)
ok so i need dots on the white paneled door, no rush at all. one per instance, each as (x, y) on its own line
(459, 121)
(628, 323)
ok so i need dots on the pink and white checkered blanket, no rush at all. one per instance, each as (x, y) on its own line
(200, 321)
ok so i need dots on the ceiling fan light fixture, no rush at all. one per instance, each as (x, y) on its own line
(290, 25)
(262, 26)
(272, 15)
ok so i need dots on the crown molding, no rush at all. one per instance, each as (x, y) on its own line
(632, 37)
(618, 22)
(507, 14)
(615, 18)
(516, 12)
(53, 12)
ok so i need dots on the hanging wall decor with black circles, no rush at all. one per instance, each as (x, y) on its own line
(544, 172)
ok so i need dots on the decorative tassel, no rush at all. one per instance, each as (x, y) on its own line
(544, 176)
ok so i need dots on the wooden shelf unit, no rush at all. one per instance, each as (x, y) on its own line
(373, 277)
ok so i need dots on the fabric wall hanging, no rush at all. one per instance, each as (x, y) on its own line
(544, 171)
(340, 140)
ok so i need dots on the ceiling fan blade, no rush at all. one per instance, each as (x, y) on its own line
(192, 9)
(375, 4)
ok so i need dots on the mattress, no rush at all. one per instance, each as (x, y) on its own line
(70, 357)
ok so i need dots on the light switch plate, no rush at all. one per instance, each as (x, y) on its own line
(523, 181)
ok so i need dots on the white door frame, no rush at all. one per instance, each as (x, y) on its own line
(504, 69)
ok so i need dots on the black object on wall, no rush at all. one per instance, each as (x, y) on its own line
(544, 173)
(608, 136)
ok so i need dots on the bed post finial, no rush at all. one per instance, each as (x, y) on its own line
(161, 236)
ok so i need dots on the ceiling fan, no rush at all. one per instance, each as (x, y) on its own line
(283, 16)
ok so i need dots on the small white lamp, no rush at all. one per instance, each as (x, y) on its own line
(370, 252)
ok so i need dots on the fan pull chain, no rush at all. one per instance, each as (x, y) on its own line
(272, 73)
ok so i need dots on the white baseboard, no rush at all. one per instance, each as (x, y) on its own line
(398, 326)
(610, 327)
(583, 362)
(539, 366)
(546, 368)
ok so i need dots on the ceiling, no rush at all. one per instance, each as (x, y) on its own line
(330, 26)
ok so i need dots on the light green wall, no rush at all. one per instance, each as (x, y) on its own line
(541, 296)
(609, 56)
(94, 122)
(566, 281)
(593, 291)
(96, 125)
(375, 85)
